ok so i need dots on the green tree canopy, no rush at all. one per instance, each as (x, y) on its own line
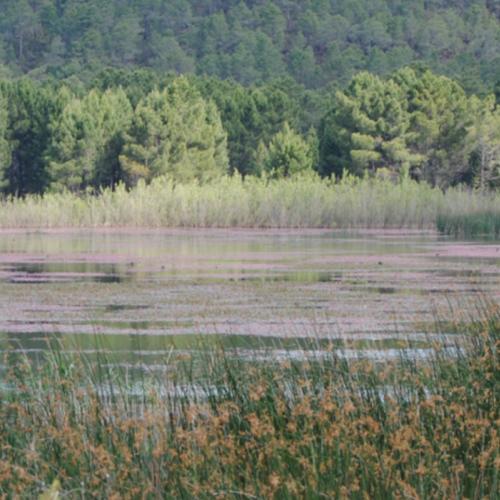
(414, 120)
(315, 42)
(5, 153)
(86, 140)
(483, 138)
(439, 112)
(249, 116)
(367, 129)
(175, 132)
(30, 108)
(287, 154)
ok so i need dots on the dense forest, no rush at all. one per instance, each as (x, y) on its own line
(130, 126)
(92, 94)
(316, 42)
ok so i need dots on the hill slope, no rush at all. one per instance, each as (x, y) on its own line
(315, 41)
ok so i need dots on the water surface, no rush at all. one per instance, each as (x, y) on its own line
(140, 294)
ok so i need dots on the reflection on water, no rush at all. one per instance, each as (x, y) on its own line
(146, 293)
(150, 344)
(138, 355)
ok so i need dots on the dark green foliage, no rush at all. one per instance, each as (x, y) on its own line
(175, 132)
(470, 225)
(414, 121)
(287, 154)
(440, 113)
(262, 64)
(5, 155)
(367, 128)
(249, 116)
(135, 124)
(87, 138)
(136, 83)
(313, 42)
(30, 108)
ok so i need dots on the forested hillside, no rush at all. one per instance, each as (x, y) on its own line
(93, 94)
(316, 42)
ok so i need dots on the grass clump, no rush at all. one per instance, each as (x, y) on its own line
(304, 201)
(241, 429)
(470, 225)
(470, 215)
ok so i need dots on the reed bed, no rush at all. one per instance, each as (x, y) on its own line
(470, 225)
(223, 427)
(299, 202)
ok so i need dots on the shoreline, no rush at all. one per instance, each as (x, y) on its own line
(240, 230)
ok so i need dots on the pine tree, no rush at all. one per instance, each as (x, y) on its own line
(483, 137)
(415, 121)
(87, 139)
(30, 108)
(367, 128)
(175, 132)
(440, 112)
(249, 116)
(5, 153)
(287, 154)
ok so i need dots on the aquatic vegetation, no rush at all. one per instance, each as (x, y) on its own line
(470, 217)
(221, 426)
(467, 225)
(298, 202)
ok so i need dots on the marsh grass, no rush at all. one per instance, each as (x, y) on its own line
(219, 426)
(299, 202)
(470, 225)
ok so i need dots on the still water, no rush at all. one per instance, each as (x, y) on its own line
(141, 295)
